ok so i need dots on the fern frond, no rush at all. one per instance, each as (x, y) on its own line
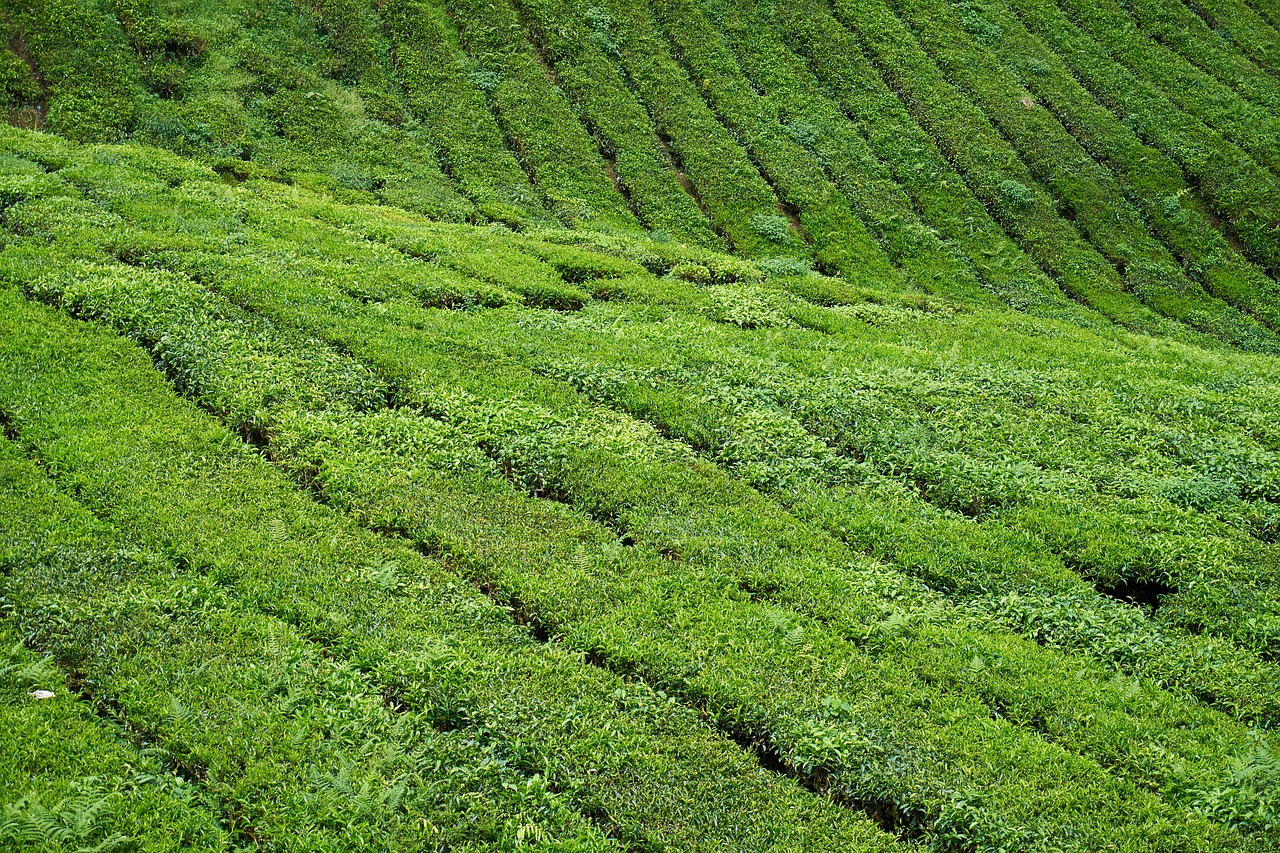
(70, 825)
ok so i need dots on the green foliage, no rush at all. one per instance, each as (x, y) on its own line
(512, 437)
(89, 85)
(1092, 194)
(1138, 41)
(773, 228)
(1248, 796)
(696, 119)
(20, 672)
(1157, 181)
(70, 781)
(74, 824)
(822, 214)
(308, 117)
(440, 93)
(1240, 190)
(691, 272)
(399, 461)
(20, 86)
(916, 162)
(706, 155)
(816, 122)
(783, 267)
(975, 23)
(583, 62)
(451, 729)
(1017, 193)
(553, 146)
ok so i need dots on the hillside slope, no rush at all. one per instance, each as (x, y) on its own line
(693, 425)
(1011, 150)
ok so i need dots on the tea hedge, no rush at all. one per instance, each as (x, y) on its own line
(1244, 27)
(945, 201)
(816, 123)
(670, 426)
(841, 240)
(1242, 191)
(579, 49)
(93, 290)
(554, 750)
(1181, 29)
(1250, 126)
(1154, 182)
(1090, 192)
(547, 137)
(587, 622)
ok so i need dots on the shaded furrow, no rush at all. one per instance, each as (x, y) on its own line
(1234, 20)
(719, 171)
(946, 202)
(1180, 29)
(72, 771)
(816, 122)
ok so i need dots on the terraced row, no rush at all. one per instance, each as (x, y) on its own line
(208, 603)
(1122, 154)
(423, 424)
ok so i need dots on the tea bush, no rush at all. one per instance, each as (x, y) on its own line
(682, 425)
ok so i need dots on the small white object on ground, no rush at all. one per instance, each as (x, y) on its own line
(41, 694)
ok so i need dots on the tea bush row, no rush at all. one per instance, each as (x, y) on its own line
(992, 167)
(1242, 192)
(544, 459)
(555, 148)
(1236, 21)
(437, 87)
(841, 240)
(370, 693)
(580, 49)
(816, 123)
(1152, 180)
(630, 484)
(71, 777)
(714, 162)
(1097, 200)
(939, 192)
(1255, 129)
(1182, 30)
(290, 748)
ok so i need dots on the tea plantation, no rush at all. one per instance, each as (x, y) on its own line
(640, 425)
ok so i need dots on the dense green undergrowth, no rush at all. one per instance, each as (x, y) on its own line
(677, 425)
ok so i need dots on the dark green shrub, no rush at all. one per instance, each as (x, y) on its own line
(1017, 193)
(774, 228)
(19, 85)
(975, 23)
(784, 266)
(1199, 492)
